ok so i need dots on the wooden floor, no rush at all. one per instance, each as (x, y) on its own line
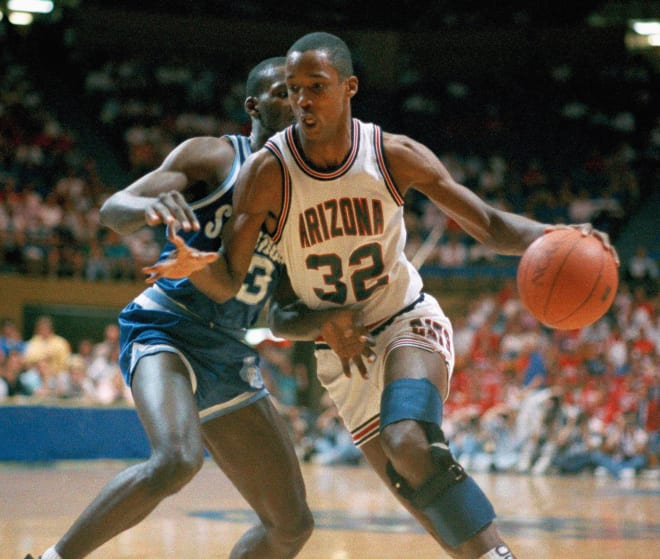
(541, 517)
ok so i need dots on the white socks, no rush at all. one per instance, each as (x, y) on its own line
(51, 554)
(499, 552)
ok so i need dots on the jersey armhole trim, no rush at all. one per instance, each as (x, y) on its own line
(382, 165)
(286, 191)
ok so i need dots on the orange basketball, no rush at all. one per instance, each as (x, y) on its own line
(567, 280)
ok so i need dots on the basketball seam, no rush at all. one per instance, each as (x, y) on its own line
(555, 276)
(588, 296)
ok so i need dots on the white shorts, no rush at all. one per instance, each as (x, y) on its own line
(422, 325)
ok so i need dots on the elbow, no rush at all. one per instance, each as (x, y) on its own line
(104, 215)
(111, 219)
(274, 322)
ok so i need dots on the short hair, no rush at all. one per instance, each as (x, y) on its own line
(258, 79)
(336, 49)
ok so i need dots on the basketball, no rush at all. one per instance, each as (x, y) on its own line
(567, 280)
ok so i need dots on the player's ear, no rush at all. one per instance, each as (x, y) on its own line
(251, 105)
(351, 86)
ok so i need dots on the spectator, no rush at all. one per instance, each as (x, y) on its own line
(624, 450)
(41, 379)
(576, 442)
(12, 383)
(74, 382)
(10, 337)
(46, 345)
(110, 343)
(642, 270)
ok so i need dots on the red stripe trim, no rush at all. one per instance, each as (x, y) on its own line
(366, 439)
(300, 160)
(380, 158)
(286, 190)
(366, 431)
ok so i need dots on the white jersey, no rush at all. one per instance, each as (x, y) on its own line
(341, 233)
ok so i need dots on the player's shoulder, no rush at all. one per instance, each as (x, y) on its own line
(262, 161)
(202, 155)
(400, 146)
(207, 147)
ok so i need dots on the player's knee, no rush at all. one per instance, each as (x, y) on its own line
(408, 448)
(170, 470)
(300, 529)
(290, 536)
(411, 413)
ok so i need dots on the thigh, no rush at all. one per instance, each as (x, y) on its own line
(253, 448)
(413, 362)
(165, 403)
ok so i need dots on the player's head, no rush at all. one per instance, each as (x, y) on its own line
(266, 98)
(319, 76)
(337, 52)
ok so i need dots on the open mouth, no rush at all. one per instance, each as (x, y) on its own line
(308, 120)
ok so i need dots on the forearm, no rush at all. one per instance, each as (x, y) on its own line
(216, 281)
(511, 234)
(124, 212)
(152, 199)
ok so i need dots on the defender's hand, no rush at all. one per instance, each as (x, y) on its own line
(181, 263)
(170, 209)
(350, 340)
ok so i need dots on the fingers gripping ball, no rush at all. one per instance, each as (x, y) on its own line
(567, 280)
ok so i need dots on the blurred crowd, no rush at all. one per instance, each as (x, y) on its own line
(547, 143)
(524, 398)
(45, 366)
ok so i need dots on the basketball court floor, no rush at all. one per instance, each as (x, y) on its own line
(356, 517)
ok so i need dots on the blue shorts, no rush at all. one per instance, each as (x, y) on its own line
(224, 370)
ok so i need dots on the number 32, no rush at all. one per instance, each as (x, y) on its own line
(364, 280)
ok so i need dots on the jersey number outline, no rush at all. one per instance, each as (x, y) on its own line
(338, 293)
(257, 281)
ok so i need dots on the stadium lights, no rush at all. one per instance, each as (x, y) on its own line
(20, 18)
(646, 27)
(31, 6)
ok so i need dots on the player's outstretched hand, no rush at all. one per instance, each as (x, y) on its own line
(588, 229)
(181, 262)
(171, 208)
(350, 340)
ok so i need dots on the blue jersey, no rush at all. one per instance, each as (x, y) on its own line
(266, 267)
(175, 317)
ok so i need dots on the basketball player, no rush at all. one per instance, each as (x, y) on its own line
(194, 380)
(330, 191)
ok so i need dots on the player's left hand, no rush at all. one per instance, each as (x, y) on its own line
(181, 263)
(587, 229)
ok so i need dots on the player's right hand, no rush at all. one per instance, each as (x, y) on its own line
(171, 209)
(350, 340)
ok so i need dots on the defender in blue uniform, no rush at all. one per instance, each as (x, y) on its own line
(195, 382)
(174, 316)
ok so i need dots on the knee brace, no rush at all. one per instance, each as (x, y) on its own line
(410, 398)
(452, 501)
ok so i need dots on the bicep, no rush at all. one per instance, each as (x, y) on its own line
(415, 166)
(255, 199)
(203, 159)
